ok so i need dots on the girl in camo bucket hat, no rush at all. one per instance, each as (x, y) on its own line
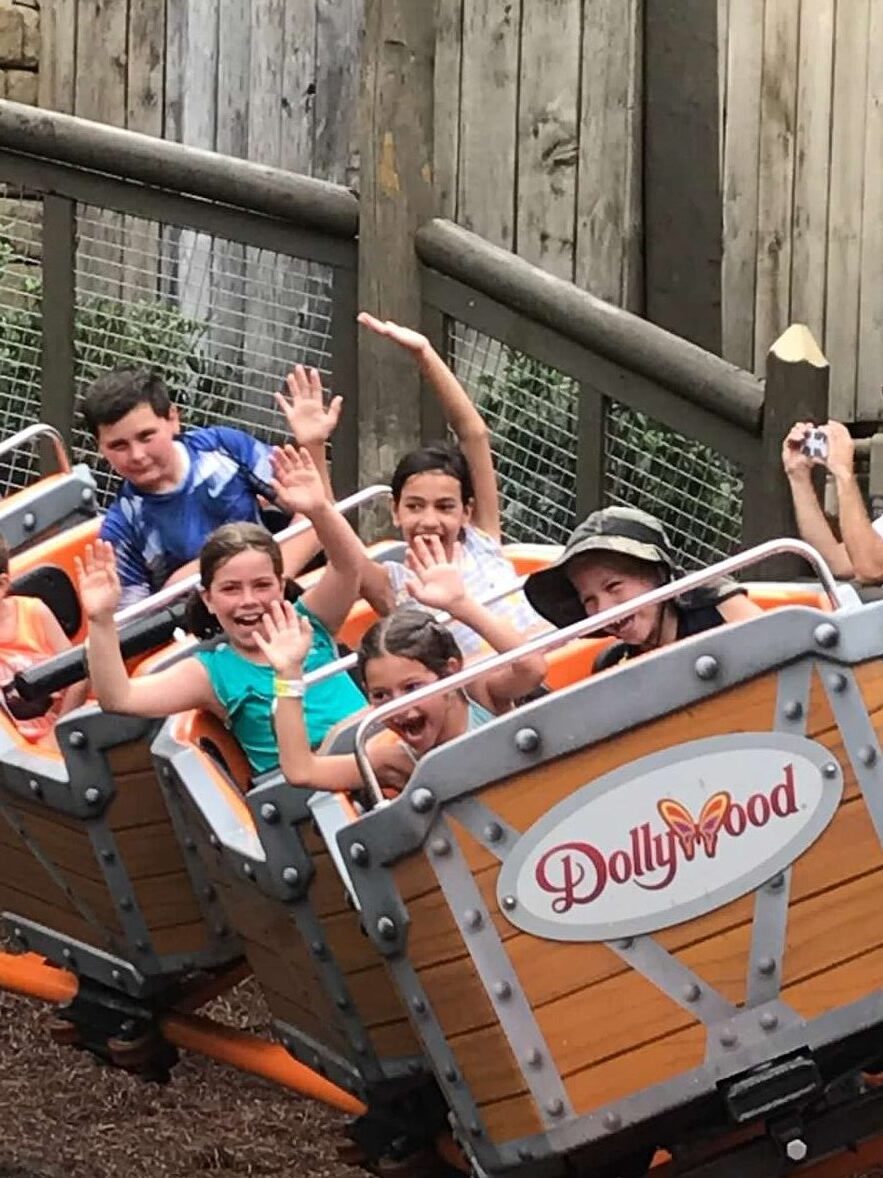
(616, 555)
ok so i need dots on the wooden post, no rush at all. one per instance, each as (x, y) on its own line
(396, 130)
(797, 377)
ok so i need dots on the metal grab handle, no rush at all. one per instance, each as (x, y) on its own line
(582, 629)
(39, 430)
(180, 589)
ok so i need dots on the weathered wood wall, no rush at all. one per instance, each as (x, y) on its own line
(802, 164)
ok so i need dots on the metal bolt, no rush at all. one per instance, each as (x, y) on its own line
(793, 709)
(342, 1002)
(29, 522)
(359, 854)
(509, 903)
(290, 876)
(525, 1154)
(766, 966)
(502, 990)
(386, 927)
(692, 992)
(126, 904)
(867, 755)
(209, 892)
(769, 1021)
(534, 1058)
(472, 919)
(77, 739)
(829, 769)
(189, 844)
(776, 883)
(318, 949)
(555, 1107)
(422, 800)
(107, 855)
(706, 667)
(127, 1026)
(493, 832)
(286, 1042)
(269, 813)
(527, 740)
(35, 788)
(20, 937)
(142, 946)
(796, 1149)
(220, 929)
(248, 870)
(67, 954)
(612, 1121)
(86, 495)
(440, 846)
(214, 840)
(728, 1038)
(451, 1075)
(116, 976)
(92, 795)
(475, 1129)
(625, 943)
(360, 1046)
(826, 634)
(837, 681)
(418, 1005)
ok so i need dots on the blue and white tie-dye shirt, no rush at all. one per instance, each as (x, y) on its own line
(153, 535)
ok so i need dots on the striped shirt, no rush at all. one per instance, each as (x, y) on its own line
(154, 534)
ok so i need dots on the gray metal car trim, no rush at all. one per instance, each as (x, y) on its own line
(70, 498)
(770, 922)
(612, 703)
(499, 978)
(320, 1058)
(691, 992)
(68, 953)
(859, 740)
(493, 832)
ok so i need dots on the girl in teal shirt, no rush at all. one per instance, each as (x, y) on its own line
(240, 568)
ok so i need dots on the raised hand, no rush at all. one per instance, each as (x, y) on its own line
(297, 483)
(310, 420)
(435, 582)
(795, 463)
(841, 449)
(413, 341)
(286, 640)
(98, 584)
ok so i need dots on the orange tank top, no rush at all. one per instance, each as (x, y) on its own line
(28, 645)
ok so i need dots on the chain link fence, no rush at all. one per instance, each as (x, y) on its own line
(531, 410)
(223, 322)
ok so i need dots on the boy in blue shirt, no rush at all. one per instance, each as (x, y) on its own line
(178, 487)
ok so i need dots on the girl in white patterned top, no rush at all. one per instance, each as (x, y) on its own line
(449, 492)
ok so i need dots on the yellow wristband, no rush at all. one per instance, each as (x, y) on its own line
(289, 688)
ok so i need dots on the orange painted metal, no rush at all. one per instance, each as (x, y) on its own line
(31, 975)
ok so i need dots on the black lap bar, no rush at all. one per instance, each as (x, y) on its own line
(138, 637)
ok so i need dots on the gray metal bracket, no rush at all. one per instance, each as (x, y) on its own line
(85, 960)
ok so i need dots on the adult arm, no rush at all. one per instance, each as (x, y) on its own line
(461, 415)
(863, 544)
(811, 522)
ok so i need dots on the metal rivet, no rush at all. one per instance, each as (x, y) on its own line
(92, 796)
(451, 1075)
(525, 1154)
(290, 876)
(829, 769)
(21, 938)
(867, 754)
(475, 1129)
(126, 904)
(440, 846)
(793, 709)
(418, 1005)
(77, 739)
(769, 1021)
(361, 1047)
(318, 949)
(86, 495)
(472, 919)
(209, 892)
(728, 1038)
(116, 975)
(776, 883)
(796, 1149)
(502, 990)
(35, 788)
(29, 521)
(555, 1107)
(625, 943)
(359, 854)
(286, 1042)
(108, 856)
(422, 800)
(612, 1121)
(534, 1058)
(342, 1002)
(527, 740)
(269, 813)
(386, 927)
(190, 844)
(509, 903)
(214, 840)
(67, 954)
(826, 634)
(493, 832)
(415, 1067)
(142, 946)
(692, 992)
(766, 966)
(706, 667)
(248, 870)
(220, 929)
(837, 681)
(127, 1026)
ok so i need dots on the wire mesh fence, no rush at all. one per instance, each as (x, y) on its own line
(531, 410)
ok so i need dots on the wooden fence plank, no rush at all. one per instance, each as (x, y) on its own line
(723, 41)
(486, 182)
(265, 80)
(446, 105)
(845, 210)
(740, 186)
(608, 196)
(812, 165)
(144, 112)
(100, 90)
(548, 146)
(58, 55)
(234, 56)
(338, 42)
(778, 101)
(299, 69)
(869, 402)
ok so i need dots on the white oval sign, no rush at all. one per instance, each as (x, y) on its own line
(670, 837)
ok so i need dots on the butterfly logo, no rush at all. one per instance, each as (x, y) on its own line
(690, 832)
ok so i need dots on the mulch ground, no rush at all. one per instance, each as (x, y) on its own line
(65, 1115)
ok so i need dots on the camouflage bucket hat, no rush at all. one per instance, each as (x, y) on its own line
(615, 529)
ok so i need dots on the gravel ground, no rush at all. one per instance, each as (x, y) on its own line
(65, 1115)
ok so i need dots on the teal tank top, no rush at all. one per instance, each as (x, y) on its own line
(245, 691)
